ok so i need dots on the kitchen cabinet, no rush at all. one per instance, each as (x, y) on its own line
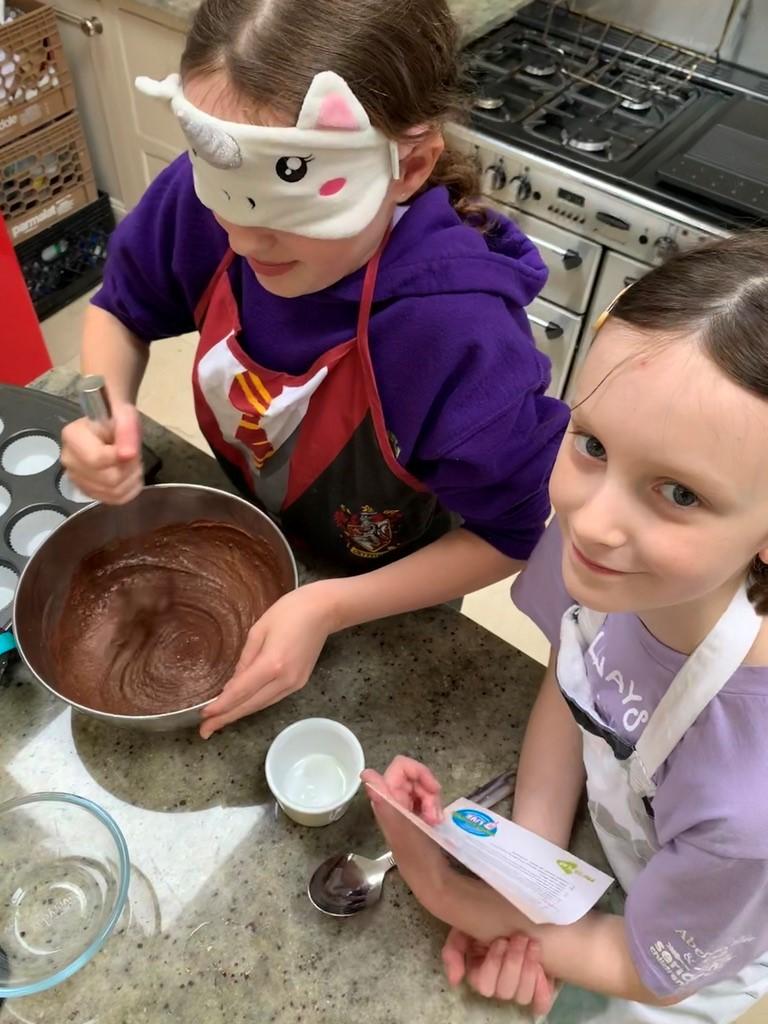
(89, 63)
(108, 43)
(150, 138)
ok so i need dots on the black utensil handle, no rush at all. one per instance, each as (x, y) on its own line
(495, 791)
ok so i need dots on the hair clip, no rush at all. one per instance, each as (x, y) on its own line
(600, 322)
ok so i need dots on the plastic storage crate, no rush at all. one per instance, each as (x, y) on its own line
(44, 177)
(67, 260)
(35, 82)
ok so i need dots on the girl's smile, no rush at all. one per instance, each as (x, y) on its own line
(271, 269)
(592, 566)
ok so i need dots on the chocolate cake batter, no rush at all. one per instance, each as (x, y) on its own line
(157, 623)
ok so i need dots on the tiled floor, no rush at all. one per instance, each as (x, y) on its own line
(166, 396)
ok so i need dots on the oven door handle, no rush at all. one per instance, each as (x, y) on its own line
(551, 329)
(572, 260)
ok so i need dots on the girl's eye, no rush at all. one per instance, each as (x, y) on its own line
(589, 445)
(292, 168)
(679, 495)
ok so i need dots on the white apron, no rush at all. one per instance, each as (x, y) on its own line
(620, 786)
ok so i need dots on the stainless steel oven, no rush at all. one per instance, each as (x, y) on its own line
(617, 272)
(556, 332)
(612, 150)
(593, 236)
(557, 316)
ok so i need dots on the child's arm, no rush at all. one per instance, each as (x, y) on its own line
(550, 774)
(283, 646)
(592, 953)
(457, 564)
(110, 349)
(109, 469)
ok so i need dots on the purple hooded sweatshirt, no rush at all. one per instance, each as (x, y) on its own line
(461, 382)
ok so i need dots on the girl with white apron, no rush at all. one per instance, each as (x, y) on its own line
(620, 790)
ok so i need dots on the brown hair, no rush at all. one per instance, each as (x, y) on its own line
(719, 292)
(398, 56)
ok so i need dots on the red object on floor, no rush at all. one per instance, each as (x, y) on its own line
(23, 355)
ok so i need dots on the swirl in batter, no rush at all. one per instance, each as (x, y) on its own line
(157, 623)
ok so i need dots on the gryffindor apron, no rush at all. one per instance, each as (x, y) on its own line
(620, 789)
(313, 449)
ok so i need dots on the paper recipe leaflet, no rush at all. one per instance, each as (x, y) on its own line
(549, 885)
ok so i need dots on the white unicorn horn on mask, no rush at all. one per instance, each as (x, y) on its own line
(207, 140)
(211, 143)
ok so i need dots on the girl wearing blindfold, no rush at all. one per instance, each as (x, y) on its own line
(365, 369)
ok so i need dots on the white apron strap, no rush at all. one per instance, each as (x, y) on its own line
(590, 623)
(700, 679)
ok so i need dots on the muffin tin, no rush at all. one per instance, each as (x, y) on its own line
(35, 492)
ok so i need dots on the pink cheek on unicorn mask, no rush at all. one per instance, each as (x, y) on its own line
(332, 187)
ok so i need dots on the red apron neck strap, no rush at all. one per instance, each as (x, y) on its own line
(369, 288)
(202, 307)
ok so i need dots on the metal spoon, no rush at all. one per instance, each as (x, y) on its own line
(348, 883)
(94, 401)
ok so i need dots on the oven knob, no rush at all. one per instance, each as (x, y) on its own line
(497, 176)
(665, 247)
(523, 187)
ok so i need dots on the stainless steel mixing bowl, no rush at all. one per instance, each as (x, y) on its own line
(44, 583)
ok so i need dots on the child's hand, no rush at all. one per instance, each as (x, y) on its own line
(508, 969)
(109, 471)
(420, 860)
(412, 785)
(278, 658)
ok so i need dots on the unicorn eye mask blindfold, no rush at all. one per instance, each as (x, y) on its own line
(325, 178)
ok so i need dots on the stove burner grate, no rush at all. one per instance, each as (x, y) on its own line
(635, 96)
(488, 102)
(586, 135)
(541, 65)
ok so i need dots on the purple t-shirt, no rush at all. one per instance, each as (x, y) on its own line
(460, 380)
(700, 906)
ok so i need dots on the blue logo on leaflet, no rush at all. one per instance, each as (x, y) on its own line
(477, 823)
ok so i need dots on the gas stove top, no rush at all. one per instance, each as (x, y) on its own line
(623, 106)
(572, 94)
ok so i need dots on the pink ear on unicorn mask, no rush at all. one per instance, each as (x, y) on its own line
(334, 113)
(331, 104)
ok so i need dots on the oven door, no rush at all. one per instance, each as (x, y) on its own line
(572, 260)
(556, 333)
(618, 273)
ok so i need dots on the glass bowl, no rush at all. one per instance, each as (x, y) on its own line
(64, 872)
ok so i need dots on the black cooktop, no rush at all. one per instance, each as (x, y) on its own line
(680, 126)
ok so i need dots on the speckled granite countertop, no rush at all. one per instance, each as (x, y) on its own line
(218, 926)
(475, 17)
